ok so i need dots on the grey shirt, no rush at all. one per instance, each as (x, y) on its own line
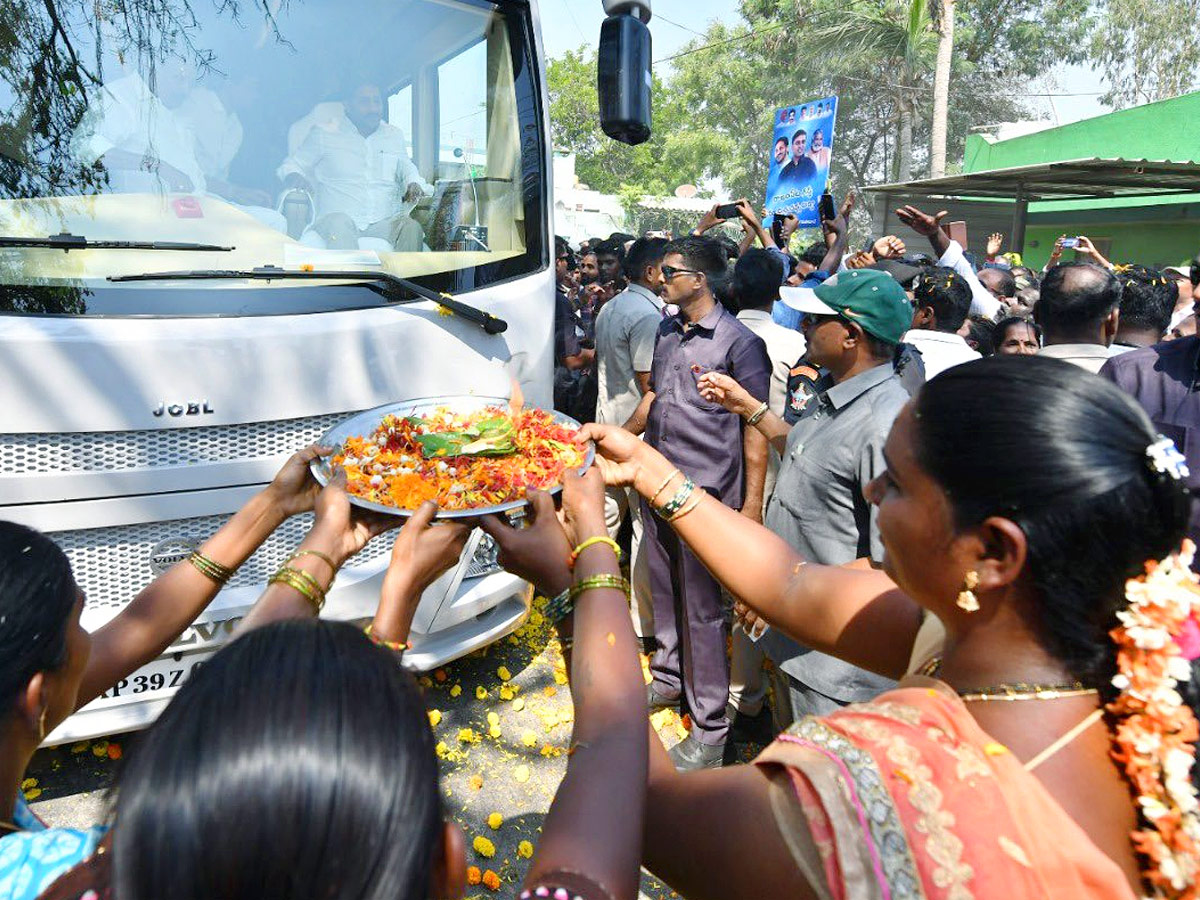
(818, 507)
(626, 329)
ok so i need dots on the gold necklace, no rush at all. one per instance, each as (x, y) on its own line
(1012, 692)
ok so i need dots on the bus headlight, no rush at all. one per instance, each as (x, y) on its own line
(484, 560)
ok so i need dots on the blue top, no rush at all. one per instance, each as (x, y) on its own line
(782, 314)
(33, 859)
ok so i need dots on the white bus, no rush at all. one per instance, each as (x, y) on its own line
(219, 224)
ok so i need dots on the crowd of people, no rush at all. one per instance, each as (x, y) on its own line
(939, 503)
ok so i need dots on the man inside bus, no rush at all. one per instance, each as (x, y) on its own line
(356, 167)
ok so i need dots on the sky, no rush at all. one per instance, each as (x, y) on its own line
(568, 23)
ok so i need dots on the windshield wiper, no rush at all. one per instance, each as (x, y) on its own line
(484, 320)
(67, 241)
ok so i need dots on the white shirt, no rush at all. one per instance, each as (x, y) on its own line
(982, 302)
(626, 327)
(784, 347)
(1087, 356)
(125, 115)
(939, 350)
(216, 130)
(364, 177)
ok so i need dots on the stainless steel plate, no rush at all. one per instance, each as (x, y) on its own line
(365, 422)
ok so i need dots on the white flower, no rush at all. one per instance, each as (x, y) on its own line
(1148, 637)
(1121, 682)
(1179, 668)
(1152, 808)
(1147, 743)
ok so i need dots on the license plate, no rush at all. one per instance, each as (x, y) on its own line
(164, 675)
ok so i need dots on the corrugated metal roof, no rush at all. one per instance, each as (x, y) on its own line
(1078, 179)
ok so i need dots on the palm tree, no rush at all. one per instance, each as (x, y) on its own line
(899, 35)
(944, 17)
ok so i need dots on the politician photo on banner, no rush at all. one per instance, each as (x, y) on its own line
(798, 168)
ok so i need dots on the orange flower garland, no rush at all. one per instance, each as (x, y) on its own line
(1156, 732)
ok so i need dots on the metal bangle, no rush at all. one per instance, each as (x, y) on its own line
(676, 503)
(211, 569)
(757, 415)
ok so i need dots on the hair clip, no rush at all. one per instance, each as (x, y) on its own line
(1165, 459)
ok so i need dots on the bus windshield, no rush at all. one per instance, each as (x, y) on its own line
(301, 134)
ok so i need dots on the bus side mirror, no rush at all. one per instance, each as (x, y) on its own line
(623, 78)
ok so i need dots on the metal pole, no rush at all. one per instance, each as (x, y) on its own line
(1020, 210)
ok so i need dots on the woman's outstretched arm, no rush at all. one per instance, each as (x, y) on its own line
(857, 615)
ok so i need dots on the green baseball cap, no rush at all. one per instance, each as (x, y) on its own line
(868, 297)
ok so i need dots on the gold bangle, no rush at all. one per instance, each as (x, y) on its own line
(397, 646)
(210, 569)
(303, 583)
(603, 580)
(677, 502)
(687, 509)
(319, 555)
(591, 542)
(662, 487)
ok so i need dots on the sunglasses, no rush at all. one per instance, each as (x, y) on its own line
(670, 272)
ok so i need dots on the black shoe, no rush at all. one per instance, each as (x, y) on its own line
(759, 729)
(689, 755)
(656, 701)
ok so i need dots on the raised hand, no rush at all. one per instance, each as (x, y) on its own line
(539, 551)
(293, 490)
(618, 452)
(341, 528)
(888, 247)
(583, 505)
(920, 222)
(994, 242)
(423, 550)
(716, 387)
(860, 259)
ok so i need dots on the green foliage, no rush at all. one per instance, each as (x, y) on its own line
(1147, 49)
(678, 153)
(713, 117)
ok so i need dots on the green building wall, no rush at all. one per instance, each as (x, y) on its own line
(1154, 231)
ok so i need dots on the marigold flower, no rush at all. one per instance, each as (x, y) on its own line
(491, 880)
(484, 847)
(29, 784)
(32, 794)
(493, 718)
(506, 692)
(425, 681)
(440, 676)
(435, 717)
(494, 731)
(114, 751)
(100, 748)
(456, 690)
(495, 820)
(481, 693)
(474, 876)
(468, 736)
(528, 738)
(518, 704)
(476, 782)
(504, 674)
(521, 773)
(525, 850)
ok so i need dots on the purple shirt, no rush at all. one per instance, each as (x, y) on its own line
(699, 437)
(1164, 380)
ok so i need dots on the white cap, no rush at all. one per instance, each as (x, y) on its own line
(805, 300)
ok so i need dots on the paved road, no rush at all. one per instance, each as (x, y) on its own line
(503, 721)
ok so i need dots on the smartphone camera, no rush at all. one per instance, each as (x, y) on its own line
(1070, 243)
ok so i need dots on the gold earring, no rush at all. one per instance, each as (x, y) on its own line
(967, 601)
(42, 726)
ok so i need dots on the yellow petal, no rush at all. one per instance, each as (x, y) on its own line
(521, 773)
(481, 693)
(493, 718)
(525, 850)
(528, 738)
(518, 704)
(504, 674)
(435, 717)
(484, 847)
(456, 690)
(495, 820)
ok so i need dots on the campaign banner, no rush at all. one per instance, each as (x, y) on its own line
(798, 168)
